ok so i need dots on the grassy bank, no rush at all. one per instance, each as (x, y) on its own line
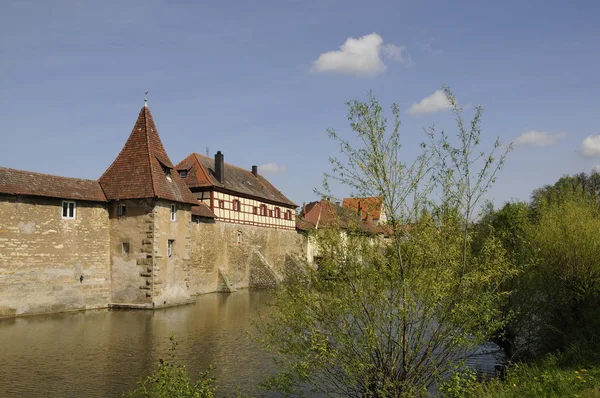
(547, 378)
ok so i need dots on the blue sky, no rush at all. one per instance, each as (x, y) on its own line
(262, 80)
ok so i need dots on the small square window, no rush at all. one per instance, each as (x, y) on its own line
(170, 247)
(125, 247)
(122, 210)
(173, 212)
(69, 210)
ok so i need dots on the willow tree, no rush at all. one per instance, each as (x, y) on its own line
(400, 315)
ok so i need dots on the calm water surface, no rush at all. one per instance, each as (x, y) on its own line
(104, 353)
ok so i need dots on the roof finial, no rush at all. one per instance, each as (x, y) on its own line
(146, 99)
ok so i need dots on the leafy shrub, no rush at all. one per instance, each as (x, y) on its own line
(172, 380)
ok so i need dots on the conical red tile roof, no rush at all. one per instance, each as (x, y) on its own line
(143, 169)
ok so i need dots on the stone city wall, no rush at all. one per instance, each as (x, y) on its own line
(43, 256)
(240, 256)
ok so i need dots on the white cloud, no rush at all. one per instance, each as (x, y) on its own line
(397, 53)
(590, 147)
(539, 138)
(271, 168)
(361, 57)
(596, 168)
(436, 102)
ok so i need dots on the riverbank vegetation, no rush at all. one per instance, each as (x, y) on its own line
(171, 379)
(395, 317)
(398, 316)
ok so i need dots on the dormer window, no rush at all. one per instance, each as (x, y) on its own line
(167, 172)
(183, 173)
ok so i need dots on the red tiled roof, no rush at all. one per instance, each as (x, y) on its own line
(200, 173)
(303, 225)
(20, 182)
(370, 206)
(324, 213)
(202, 210)
(140, 169)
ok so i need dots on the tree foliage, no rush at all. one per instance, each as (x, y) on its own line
(393, 317)
(553, 242)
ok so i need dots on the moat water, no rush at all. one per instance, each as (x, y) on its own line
(104, 353)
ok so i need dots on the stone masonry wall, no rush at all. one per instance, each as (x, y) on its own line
(132, 272)
(43, 256)
(171, 274)
(250, 256)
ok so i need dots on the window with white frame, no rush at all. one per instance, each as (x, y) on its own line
(69, 210)
(173, 212)
(170, 247)
(121, 210)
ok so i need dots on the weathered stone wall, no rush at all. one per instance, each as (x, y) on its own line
(131, 276)
(171, 274)
(43, 256)
(250, 256)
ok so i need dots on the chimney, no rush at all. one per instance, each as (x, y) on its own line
(255, 171)
(220, 167)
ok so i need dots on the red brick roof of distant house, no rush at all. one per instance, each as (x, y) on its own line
(20, 182)
(200, 173)
(369, 206)
(324, 214)
(303, 225)
(143, 170)
(203, 210)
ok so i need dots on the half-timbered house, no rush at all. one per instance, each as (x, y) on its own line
(236, 195)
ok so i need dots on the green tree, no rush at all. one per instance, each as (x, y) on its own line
(512, 225)
(567, 271)
(400, 314)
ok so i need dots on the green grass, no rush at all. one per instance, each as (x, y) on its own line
(546, 379)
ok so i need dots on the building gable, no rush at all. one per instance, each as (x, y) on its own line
(143, 169)
(199, 172)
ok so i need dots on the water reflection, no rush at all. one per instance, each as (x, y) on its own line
(103, 353)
